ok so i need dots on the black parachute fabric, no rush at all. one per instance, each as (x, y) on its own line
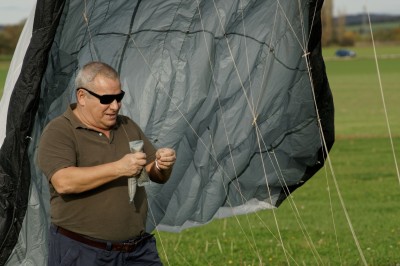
(238, 88)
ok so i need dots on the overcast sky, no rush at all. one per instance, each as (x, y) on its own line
(13, 11)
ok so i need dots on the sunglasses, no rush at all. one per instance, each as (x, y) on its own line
(106, 98)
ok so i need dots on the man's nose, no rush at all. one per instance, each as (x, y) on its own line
(114, 105)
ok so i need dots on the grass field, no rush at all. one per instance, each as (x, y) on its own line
(311, 227)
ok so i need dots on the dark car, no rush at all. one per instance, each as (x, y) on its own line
(345, 53)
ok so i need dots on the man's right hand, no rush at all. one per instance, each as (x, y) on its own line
(132, 164)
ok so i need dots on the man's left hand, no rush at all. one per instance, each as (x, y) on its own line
(165, 158)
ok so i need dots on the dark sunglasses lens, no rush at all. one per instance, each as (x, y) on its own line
(120, 96)
(109, 98)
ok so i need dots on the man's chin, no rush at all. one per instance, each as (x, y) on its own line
(109, 123)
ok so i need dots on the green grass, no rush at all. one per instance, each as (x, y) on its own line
(364, 169)
(358, 99)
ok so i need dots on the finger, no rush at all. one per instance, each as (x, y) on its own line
(140, 155)
(168, 159)
(166, 152)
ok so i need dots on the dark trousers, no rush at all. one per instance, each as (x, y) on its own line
(64, 251)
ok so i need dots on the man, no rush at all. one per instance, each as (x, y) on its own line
(86, 156)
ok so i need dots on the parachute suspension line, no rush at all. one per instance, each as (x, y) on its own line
(247, 60)
(297, 215)
(278, 171)
(331, 208)
(254, 112)
(290, 25)
(343, 205)
(258, 134)
(312, 21)
(228, 141)
(383, 97)
(301, 15)
(234, 63)
(161, 242)
(305, 55)
(218, 94)
(259, 139)
(252, 242)
(331, 166)
(236, 69)
(91, 43)
(324, 151)
(264, 74)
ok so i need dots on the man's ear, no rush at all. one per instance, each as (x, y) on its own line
(81, 97)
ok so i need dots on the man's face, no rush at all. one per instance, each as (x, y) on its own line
(99, 115)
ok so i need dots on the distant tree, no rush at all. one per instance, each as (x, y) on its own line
(340, 28)
(387, 34)
(9, 36)
(4, 44)
(327, 22)
(348, 38)
(396, 34)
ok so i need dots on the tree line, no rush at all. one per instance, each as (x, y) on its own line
(9, 35)
(336, 31)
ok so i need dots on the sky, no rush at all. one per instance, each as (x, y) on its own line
(13, 11)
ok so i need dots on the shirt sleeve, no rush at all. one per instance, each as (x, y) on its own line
(56, 148)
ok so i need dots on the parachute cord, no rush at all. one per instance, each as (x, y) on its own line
(264, 75)
(256, 126)
(255, 115)
(383, 97)
(280, 174)
(161, 242)
(323, 144)
(331, 208)
(302, 24)
(331, 166)
(290, 26)
(247, 59)
(91, 43)
(312, 22)
(227, 138)
(234, 63)
(269, 194)
(278, 171)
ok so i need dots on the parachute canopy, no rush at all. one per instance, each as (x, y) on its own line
(238, 88)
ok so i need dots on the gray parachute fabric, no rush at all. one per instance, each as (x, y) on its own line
(225, 83)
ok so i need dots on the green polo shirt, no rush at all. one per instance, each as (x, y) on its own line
(104, 212)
